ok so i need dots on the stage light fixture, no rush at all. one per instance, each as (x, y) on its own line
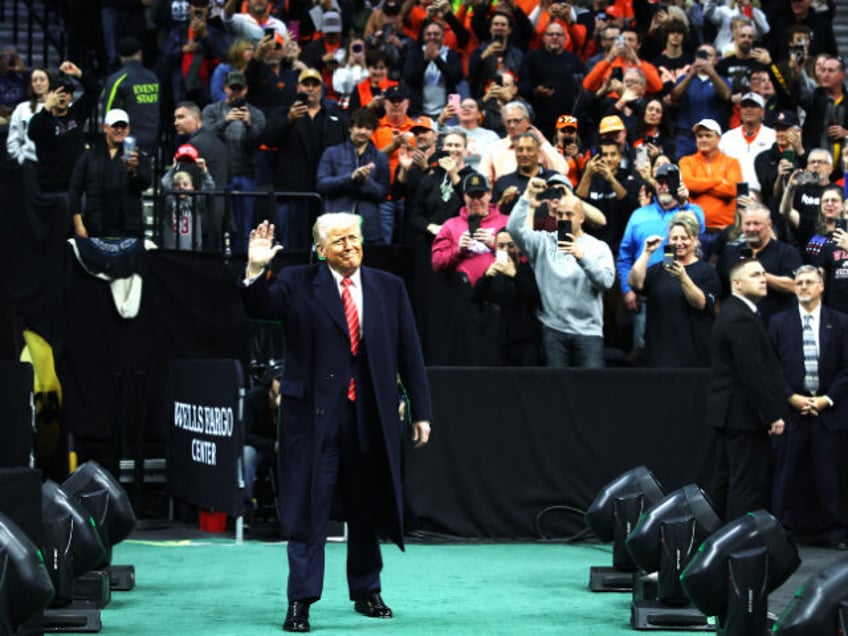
(820, 605)
(612, 516)
(663, 541)
(25, 587)
(107, 501)
(734, 570)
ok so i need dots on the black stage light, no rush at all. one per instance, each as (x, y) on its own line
(25, 587)
(65, 614)
(86, 548)
(104, 497)
(820, 605)
(736, 568)
(612, 516)
(663, 541)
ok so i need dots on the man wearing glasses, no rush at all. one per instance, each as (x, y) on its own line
(112, 174)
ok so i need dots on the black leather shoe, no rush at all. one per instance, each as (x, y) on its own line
(373, 606)
(297, 618)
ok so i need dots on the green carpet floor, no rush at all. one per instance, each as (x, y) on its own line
(214, 587)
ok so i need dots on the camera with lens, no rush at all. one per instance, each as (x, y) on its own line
(798, 53)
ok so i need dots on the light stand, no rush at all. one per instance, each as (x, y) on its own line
(65, 614)
(747, 596)
(612, 516)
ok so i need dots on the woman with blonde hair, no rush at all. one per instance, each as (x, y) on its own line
(681, 292)
(238, 56)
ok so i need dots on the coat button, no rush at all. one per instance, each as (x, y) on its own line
(319, 411)
(329, 376)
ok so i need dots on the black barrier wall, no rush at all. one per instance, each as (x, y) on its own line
(508, 444)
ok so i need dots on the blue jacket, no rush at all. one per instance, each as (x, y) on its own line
(341, 193)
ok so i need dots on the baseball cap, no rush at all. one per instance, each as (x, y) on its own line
(558, 180)
(785, 119)
(309, 73)
(116, 115)
(331, 22)
(667, 169)
(391, 7)
(61, 80)
(395, 93)
(610, 123)
(566, 121)
(752, 97)
(236, 78)
(422, 122)
(186, 151)
(475, 182)
(129, 46)
(709, 124)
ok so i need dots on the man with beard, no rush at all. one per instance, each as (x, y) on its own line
(739, 66)
(777, 258)
(749, 139)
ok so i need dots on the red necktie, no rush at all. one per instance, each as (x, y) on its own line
(352, 317)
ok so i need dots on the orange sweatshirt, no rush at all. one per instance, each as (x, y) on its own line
(712, 185)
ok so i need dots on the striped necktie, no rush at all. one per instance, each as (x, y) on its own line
(811, 356)
(352, 317)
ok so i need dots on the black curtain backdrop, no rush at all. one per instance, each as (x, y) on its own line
(510, 443)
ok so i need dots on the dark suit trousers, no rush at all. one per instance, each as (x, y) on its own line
(743, 472)
(355, 474)
(806, 479)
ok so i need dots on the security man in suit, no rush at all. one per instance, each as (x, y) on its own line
(745, 402)
(812, 342)
(349, 335)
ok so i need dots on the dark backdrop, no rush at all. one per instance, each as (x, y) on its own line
(509, 443)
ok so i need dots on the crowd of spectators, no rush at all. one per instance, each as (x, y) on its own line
(436, 120)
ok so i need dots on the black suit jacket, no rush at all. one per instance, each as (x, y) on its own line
(746, 388)
(785, 330)
(319, 365)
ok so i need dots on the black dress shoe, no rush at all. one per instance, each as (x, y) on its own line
(373, 606)
(297, 618)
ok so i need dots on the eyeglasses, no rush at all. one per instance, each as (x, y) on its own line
(514, 121)
(477, 194)
(118, 125)
(554, 35)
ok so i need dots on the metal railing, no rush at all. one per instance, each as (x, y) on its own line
(52, 13)
(167, 226)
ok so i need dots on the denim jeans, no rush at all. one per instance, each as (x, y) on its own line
(241, 208)
(572, 350)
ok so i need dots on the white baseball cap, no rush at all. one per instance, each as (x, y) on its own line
(116, 115)
(709, 124)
